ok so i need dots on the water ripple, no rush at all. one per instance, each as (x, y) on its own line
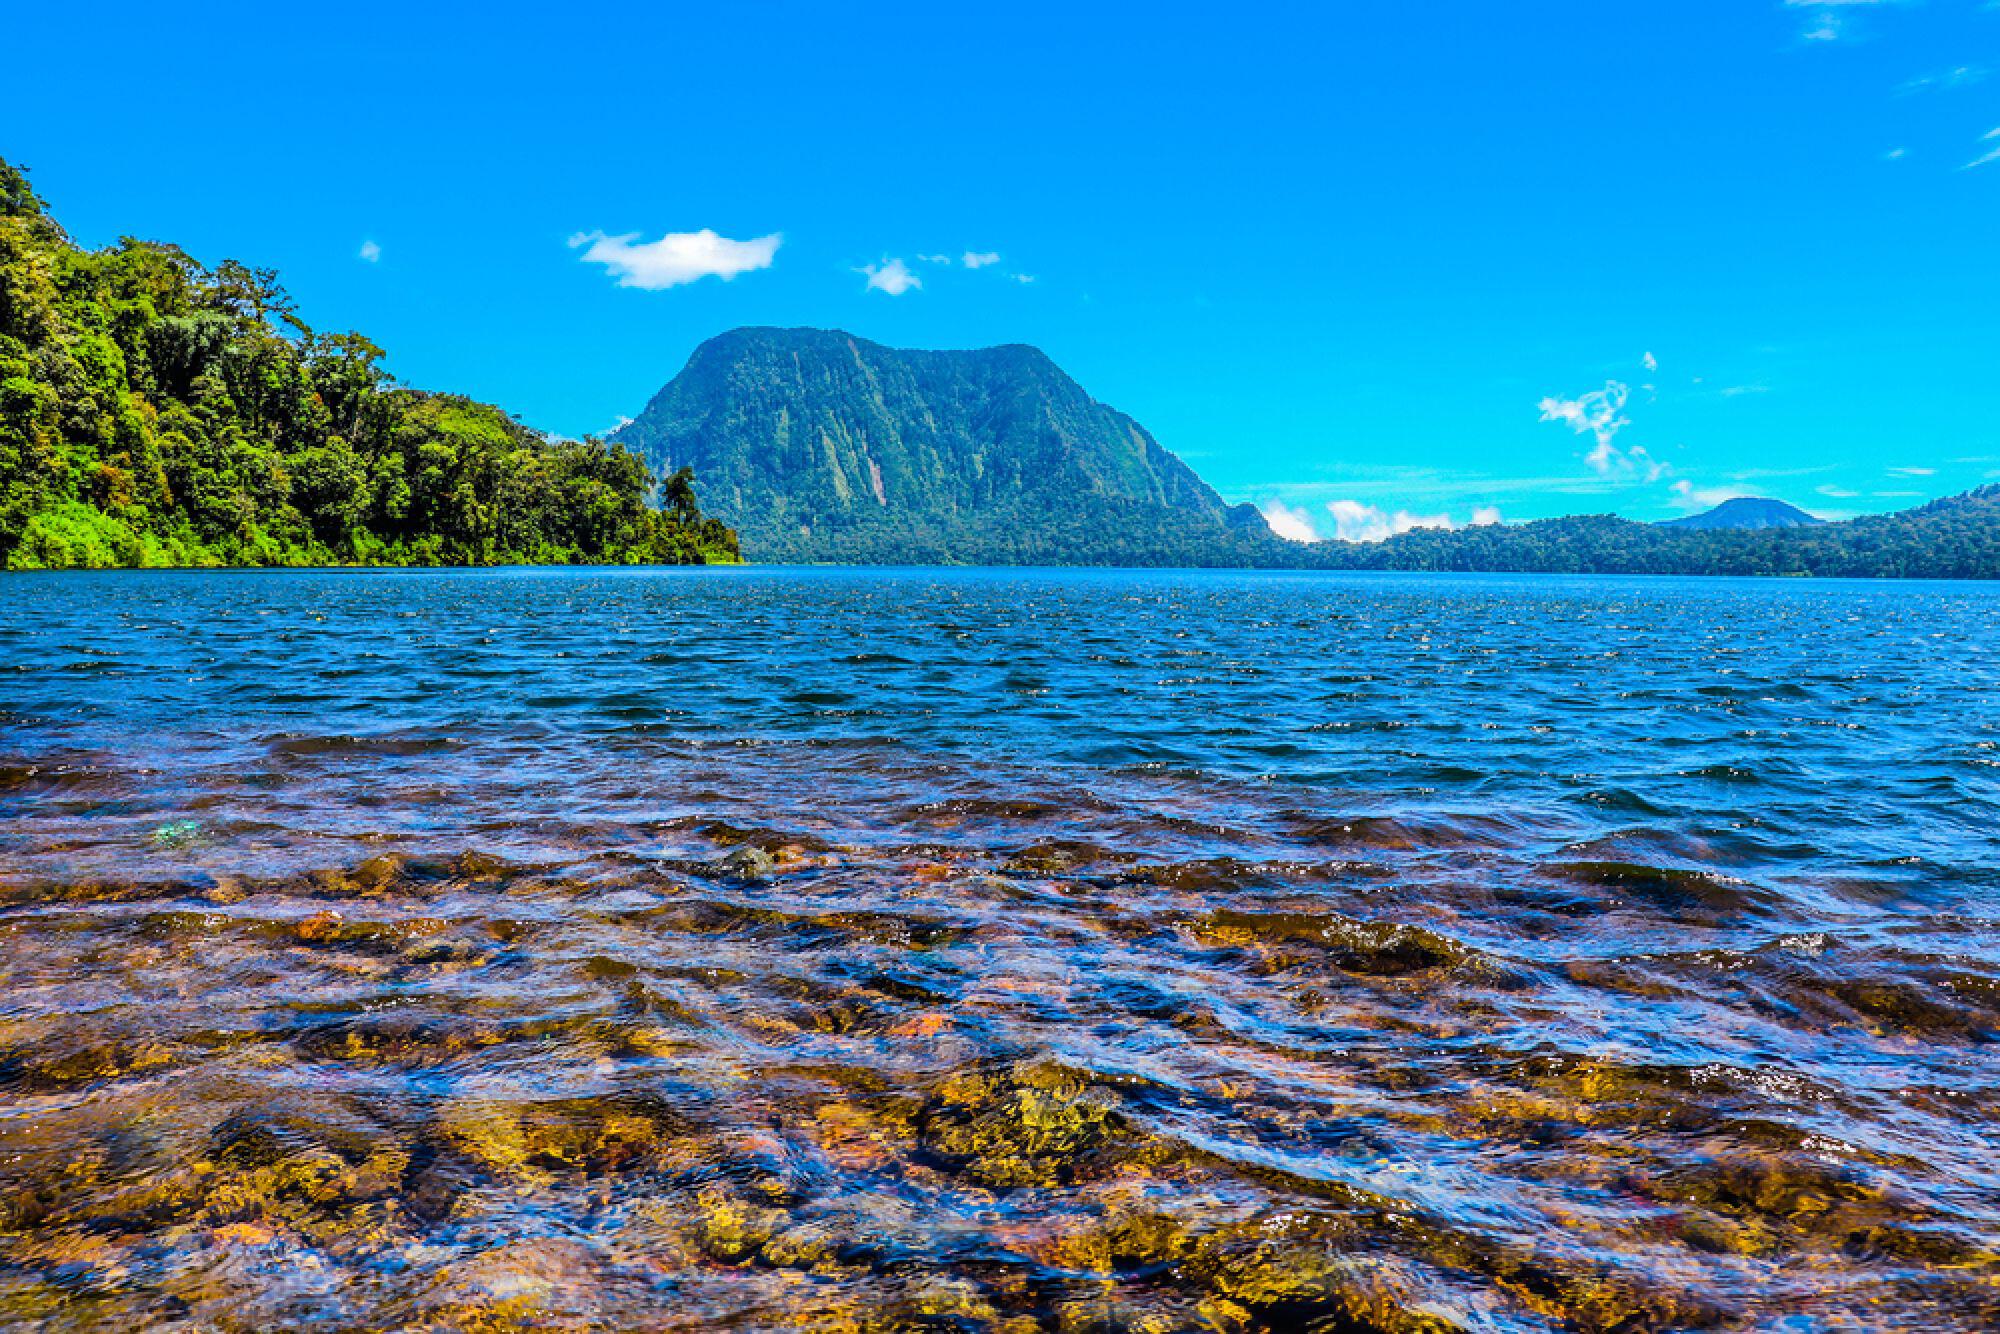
(894, 950)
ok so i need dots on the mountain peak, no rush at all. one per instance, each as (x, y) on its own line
(1748, 512)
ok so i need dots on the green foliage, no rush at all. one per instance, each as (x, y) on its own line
(75, 536)
(154, 412)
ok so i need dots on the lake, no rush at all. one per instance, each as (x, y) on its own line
(1015, 950)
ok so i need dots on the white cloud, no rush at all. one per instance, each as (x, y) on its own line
(1837, 492)
(1600, 414)
(1355, 522)
(1964, 76)
(676, 258)
(1630, 465)
(891, 275)
(1291, 524)
(1991, 155)
(1295, 516)
(370, 252)
(1691, 497)
(1650, 362)
(895, 276)
(1739, 390)
(1913, 472)
(1826, 20)
(1394, 480)
(1760, 474)
(1895, 155)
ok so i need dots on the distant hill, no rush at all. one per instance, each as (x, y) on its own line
(1954, 538)
(1748, 512)
(816, 445)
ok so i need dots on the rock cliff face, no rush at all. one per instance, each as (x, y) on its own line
(820, 446)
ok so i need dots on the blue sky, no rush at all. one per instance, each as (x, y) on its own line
(1360, 261)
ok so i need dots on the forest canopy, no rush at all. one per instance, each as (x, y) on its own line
(154, 412)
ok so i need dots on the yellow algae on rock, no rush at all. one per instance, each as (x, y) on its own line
(1035, 1124)
(533, 1140)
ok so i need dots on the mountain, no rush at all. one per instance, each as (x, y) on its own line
(820, 446)
(1748, 512)
(1954, 538)
(157, 412)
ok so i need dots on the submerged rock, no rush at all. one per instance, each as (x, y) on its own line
(1376, 949)
(748, 862)
(1034, 1124)
(533, 1140)
(178, 834)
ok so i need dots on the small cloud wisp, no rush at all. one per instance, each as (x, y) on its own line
(891, 276)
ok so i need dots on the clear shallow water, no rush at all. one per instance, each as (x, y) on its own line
(1010, 950)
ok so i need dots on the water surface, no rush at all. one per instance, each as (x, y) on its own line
(1092, 951)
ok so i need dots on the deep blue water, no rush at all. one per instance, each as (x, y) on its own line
(1522, 953)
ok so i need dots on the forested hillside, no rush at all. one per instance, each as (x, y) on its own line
(156, 412)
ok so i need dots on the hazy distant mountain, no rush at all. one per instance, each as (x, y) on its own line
(820, 446)
(1748, 512)
(1954, 538)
